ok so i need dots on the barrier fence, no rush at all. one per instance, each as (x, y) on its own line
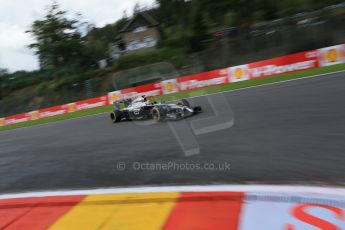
(291, 63)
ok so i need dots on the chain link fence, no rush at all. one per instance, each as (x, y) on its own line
(276, 38)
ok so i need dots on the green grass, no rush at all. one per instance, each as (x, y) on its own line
(191, 93)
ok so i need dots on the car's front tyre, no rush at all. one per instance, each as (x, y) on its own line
(158, 113)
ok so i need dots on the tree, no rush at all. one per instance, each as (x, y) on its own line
(199, 25)
(137, 8)
(58, 41)
(97, 42)
(171, 12)
(124, 14)
(3, 72)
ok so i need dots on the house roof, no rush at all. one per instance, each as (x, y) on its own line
(150, 20)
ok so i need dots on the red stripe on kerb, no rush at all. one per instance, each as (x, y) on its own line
(206, 210)
(34, 213)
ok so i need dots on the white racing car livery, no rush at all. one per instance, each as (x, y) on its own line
(142, 109)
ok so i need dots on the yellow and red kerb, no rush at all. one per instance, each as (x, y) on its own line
(187, 210)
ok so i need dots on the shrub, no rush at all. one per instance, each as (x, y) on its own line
(175, 56)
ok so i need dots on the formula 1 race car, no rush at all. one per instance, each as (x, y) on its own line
(142, 109)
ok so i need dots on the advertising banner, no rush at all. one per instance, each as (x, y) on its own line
(34, 115)
(114, 96)
(2, 122)
(15, 119)
(201, 80)
(52, 111)
(90, 103)
(285, 64)
(239, 73)
(169, 86)
(71, 107)
(332, 55)
(149, 90)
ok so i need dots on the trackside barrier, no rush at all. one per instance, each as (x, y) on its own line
(290, 63)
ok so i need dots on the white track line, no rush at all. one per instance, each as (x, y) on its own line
(232, 90)
(282, 189)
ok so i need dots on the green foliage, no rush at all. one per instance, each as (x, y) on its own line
(172, 13)
(58, 41)
(41, 88)
(176, 56)
(230, 18)
(175, 37)
(19, 80)
(199, 24)
(97, 42)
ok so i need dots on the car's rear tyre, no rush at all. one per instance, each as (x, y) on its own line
(183, 102)
(158, 113)
(116, 116)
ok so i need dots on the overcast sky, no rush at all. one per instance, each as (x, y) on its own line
(16, 17)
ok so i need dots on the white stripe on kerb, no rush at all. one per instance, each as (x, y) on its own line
(291, 189)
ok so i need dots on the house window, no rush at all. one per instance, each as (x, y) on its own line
(139, 29)
(133, 45)
(149, 42)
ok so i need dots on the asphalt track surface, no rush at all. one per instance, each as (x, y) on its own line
(286, 133)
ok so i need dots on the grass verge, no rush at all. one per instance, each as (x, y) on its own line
(191, 93)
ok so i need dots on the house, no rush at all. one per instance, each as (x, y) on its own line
(140, 33)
